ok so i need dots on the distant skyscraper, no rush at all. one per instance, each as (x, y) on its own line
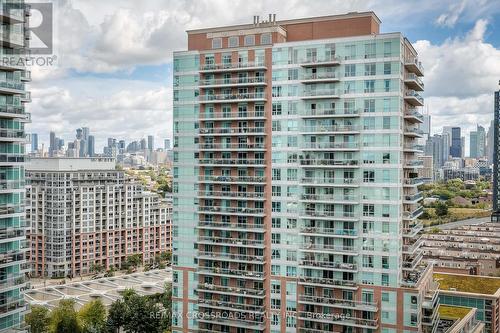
(85, 133)
(53, 143)
(426, 126)
(79, 133)
(496, 159)
(151, 142)
(490, 141)
(91, 146)
(456, 140)
(34, 142)
(167, 144)
(478, 142)
(143, 144)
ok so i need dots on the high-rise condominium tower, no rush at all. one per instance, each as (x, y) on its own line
(13, 97)
(495, 217)
(295, 179)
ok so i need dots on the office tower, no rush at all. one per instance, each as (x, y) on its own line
(151, 142)
(79, 133)
(495, 216)
(143, 144)
(53, 143)
(426, 126)
(34, 142)
(295, 179)
(437, 146)
(167, 145)
(13, 228)
(490, 141)
(462, 147)
(85, 133)
(121, 144)
(455, 140)
(111, 142)
(106, 217)
(91, 146)
(478, 142)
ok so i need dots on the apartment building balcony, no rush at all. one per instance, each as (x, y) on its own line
(322, 282)
(330, 113)
(11, 87)
(13, 61)
(323, 162)
(327, 181)
(414, 82)
(13, 282)
(413, 65)
(13, 135)
(233, 98)
(322, 231)
(413, 148)
(325, 77)
(232, 131)
(232, 179)
(14, 208)
(227, 290)
(12, 111)
(413, 163)
(26, 76)
(328, 198)
(431, 297)
(414, 116)
(315, 330)
(340, 146)
(26, 97)
(231, 210)
(230, 306)
(240, 274)
(315, 61)
(338, 319)
(411, 249)
(233, 82)
(413, 199)
(328, 265)
(240, 115)
(232, 67)
(321, 94)
(248, 227)
(307, 214)
(11, 13)
(412, 182)
(430, 317)
(413, 98)
(413, 132)
(230, 162)
(232, 146)
(339, 303)
(411, 215)
(12, 234)
(12, 257)
(412, 278)
(224, 241)
(11, 38)
(216, 319)
(231, 194)
(413, 261)
(328, 129)
(9, 185)
(233, 257)
(328, 248)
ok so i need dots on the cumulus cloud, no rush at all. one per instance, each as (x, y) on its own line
(449, 19)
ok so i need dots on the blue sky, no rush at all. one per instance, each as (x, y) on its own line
(114, 73)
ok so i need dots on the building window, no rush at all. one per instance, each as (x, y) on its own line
(369, 86)
(387, 68)
(233, 41)
(385, 279)
(350, 70)
(217, 43)
(385, 297)
(249, 40)
(370, 69)
(265, 39)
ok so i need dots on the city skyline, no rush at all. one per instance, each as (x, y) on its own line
(122, 95)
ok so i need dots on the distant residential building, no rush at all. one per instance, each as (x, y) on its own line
(91, 146)
(438, 147)
(151, 142)
(426, 173)
(167, 144)
(478, 142)
(91, 215)
(490, 141)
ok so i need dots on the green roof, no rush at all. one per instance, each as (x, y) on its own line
(468, 283)
(453, 312)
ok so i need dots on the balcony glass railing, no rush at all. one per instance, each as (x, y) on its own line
(230, 256)
(233, 179)
(232, 210)
(230, 241)
(230, 97)
(331, 181)
(226, 115)
(329, 197)
(325, 213)
(224, 161)
(237, 65)
(329, 264)
(414, 77)
(222, 146)
(237, 130)
(330, 145)
(321, 92)
(223, 225)
(330, 128)
(328, 162)
(326, 281)
(230, 194)
(232, 272)
(329, 231)
(320, 76)
(233, 81)
(337, 301)
(319, 59)
(339, 319)
(328, 247)
(413, 93)
(330, 112)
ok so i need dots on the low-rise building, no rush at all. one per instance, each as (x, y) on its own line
(473, 250)
(84, 213)
(468, 291)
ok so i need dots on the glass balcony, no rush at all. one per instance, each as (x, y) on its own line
(230, 241)
(240, 274)
(231, 226)
(26, 76)
(233, 179)
(410, 215)
(232, 306)
(413, 98)
(228, 194)
(339, 303)
(234, 98)
(329, 129)
(231, 162)
(413, 163)
(413, 261)
(414, 82)
(233, 82)
(326, 181)
(328, 113)
(321, 94)
(231, 290)
(329, 265)
(231, 257)
(312, 280)
(414, 115)
(216, 319)
(11, 87)
(412, 230)
(231, 210)
(231, 67)
(326, 213)
(413, 147)
(9, 158)
(414, 198)
(351, 199)
(233, 131)
(233, 115)
(414, 132)
(232, 146)
(348, 233)
(339, 319)
(329, 248)
(316, 61)
(414, 65)
(14, 111)
(320, 77)
(329, 162)
(411, 249)
(13, 135)
(413, 181)
(330, 146)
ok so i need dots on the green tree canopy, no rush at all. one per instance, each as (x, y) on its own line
(38, 319)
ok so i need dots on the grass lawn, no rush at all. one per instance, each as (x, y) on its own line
(454, 214)
(468, 283)
(453, 312)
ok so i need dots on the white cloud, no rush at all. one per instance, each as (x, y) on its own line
(450, 18)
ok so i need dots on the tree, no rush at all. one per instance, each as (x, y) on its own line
(38, 319)
(441, 209)
(116, 316)
(64, 319)
(93, 317)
